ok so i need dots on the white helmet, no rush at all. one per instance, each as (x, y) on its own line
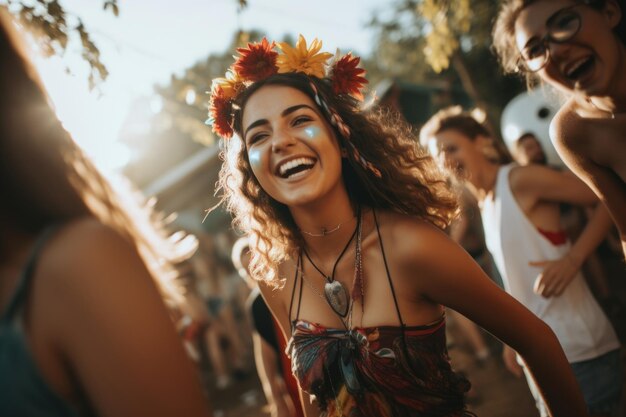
(531, 112)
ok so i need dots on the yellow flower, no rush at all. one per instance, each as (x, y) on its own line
(231, 85)
(302, 59)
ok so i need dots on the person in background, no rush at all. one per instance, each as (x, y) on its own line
(540, 268)
(578, 47)
(84, 328)
(212, 285)
(273, 366)
(345, 216)
(528, 150)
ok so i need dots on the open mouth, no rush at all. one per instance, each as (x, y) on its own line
(580, 70)
(294, 167)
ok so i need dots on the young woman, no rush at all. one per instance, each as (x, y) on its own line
(521, 219)
(579, 47)
(346, 214)
(83, 326)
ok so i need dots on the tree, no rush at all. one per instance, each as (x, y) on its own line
(424, 40)
(52, 26)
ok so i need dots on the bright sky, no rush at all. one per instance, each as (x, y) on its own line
(151, 39)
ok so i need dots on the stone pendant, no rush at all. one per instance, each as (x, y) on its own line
(337, 297)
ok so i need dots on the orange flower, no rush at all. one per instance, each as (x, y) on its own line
(309, 61)
(347, 78)
(257, 61)
(220, 109)
(230, 86)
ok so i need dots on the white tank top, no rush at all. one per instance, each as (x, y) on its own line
(575, 317)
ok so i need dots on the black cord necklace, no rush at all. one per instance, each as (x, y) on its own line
(334, 291)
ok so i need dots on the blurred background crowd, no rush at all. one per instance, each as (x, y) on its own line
(129, 81)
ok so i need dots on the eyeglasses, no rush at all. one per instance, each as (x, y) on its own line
(562, 26)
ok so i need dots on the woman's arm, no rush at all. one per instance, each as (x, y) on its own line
(548, 184)
(277, 301)
(449, 276)
(114, 330)
(266, 365)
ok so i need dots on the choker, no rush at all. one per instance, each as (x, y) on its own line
(326, 232)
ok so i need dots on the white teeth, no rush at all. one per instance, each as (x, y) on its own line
(575, 67)
(294, 163)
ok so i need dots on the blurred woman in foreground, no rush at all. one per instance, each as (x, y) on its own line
(84, 329)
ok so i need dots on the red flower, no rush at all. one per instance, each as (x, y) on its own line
(220, 109)
(347, 78)
(257, 61)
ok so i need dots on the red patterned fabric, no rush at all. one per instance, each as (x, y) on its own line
(378, 372)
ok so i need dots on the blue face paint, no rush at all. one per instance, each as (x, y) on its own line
(254, 156)
(312, 132)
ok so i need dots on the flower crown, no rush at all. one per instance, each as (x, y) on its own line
(260, 60)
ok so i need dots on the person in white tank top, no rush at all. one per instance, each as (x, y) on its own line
(540, 268)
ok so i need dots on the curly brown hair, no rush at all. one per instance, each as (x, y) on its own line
(503, 35)
(410, 183)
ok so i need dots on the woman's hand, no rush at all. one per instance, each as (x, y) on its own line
(556, 275)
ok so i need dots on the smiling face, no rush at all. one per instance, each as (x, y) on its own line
(458, 153)
(293, 151)
(587, 62)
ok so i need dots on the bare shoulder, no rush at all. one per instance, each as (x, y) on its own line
(90, 277)
(424, 255)
(81, 236)
(87, 247)
(87, 265)
(273, 292)
(276, 293)
(412, 240)
(106, 319)
(278, 297)
(567, 129)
